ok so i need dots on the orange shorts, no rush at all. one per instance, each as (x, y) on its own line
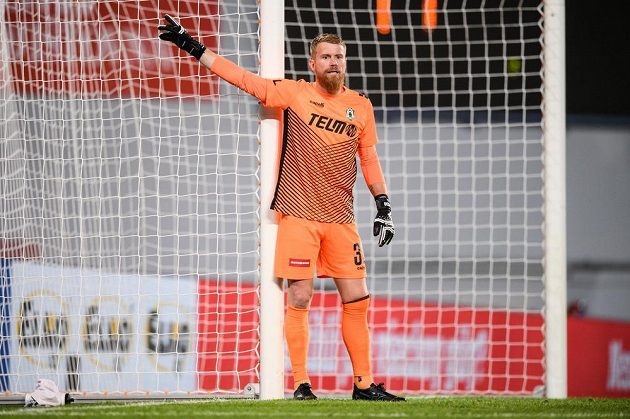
(304, 245)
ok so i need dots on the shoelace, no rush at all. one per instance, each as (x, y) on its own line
(381, 387)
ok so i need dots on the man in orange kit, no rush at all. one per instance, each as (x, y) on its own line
(325, 126)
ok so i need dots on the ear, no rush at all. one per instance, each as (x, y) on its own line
(311, 64)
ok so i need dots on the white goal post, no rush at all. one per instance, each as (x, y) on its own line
(555, 200)
(136, 243)
(271, 291)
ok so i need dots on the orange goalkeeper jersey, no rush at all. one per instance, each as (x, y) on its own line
(321, 135)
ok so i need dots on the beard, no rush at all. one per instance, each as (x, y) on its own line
(332, 82)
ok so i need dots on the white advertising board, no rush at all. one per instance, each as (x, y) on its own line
(92, 331)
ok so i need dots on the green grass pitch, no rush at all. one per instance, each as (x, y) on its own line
(439, 407)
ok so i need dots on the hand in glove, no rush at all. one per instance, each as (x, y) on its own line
(383, 224)
(173, 32)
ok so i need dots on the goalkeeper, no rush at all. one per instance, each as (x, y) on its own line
(325, 126)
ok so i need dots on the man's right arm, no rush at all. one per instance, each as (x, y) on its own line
(208, 58)
(235, 75)
(268, 92)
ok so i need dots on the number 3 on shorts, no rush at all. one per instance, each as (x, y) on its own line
(358, 258)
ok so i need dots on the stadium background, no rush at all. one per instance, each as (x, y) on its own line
(596, 248)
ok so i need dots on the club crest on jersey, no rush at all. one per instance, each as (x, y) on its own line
(350, 113)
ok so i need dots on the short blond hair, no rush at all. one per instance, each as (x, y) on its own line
(325, 37)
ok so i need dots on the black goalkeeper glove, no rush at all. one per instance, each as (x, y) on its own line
(176, 34)
(383, 224)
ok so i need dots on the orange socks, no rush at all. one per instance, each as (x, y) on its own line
(296, 333)
(356, 336)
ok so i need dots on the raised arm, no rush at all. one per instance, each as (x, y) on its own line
(268, 92)
(173, 32)
(208, 58)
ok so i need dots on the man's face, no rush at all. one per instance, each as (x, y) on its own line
(329, 66)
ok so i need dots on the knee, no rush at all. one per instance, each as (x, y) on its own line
(301, 300)
(300, 297)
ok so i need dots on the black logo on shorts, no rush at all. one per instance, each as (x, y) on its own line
(358, 257)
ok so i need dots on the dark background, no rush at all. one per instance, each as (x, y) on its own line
(598, 57)
(465, 65)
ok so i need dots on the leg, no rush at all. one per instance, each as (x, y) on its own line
(296, 252)
(341, 257)
(356, 336)
(299, 294)
(354, 328)
(351, 289)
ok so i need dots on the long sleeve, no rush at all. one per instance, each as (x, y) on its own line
(370, 165)
(273, 93)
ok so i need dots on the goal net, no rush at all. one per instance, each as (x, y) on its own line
(129, 222)
(457, 297)
(129, 210)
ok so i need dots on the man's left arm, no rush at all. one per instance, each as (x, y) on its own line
(373, 175)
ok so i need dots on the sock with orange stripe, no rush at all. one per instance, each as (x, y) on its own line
(297, 336)
(356, 336)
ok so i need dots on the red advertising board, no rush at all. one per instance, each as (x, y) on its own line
(416, 347)
(107, 48)
(427, 348)
(227, 342)
(598, 358)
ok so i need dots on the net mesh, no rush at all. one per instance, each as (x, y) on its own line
(134, 174)
(457, 295)
(129, 218)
